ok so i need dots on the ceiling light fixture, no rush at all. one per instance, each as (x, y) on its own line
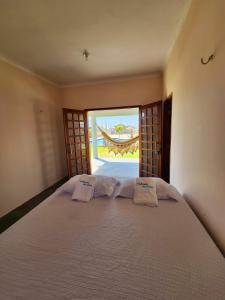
(86, 54)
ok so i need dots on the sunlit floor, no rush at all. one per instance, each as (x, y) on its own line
(122, 167)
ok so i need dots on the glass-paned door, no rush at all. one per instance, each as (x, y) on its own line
(150, 139)
(76, 141)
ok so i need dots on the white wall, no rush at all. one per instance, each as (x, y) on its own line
(198, 116)
(31, 135)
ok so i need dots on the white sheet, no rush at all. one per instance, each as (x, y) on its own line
(109, 249)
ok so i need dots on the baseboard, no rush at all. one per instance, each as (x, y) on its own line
(13, 216)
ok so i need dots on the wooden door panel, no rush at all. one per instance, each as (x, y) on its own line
(76, 142)
(150, 139)
(167, 116)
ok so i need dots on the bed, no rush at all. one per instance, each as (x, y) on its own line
(109, 249)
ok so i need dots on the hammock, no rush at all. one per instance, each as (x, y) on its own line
(120, 147)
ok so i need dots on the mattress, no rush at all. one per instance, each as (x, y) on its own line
(109, 249)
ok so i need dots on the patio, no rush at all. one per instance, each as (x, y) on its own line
(121, 167)
(104, 162)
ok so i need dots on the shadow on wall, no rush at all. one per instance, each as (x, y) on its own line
(50, 142)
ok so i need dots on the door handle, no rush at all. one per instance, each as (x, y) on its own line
(155, 148)
(157, 152)
(69, 149)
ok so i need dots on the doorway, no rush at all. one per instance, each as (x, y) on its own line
(114, 142)
(137, 147)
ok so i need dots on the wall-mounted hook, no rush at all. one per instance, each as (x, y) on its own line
(86, 54)
(211, 57)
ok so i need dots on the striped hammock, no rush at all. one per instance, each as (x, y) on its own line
(120, 147)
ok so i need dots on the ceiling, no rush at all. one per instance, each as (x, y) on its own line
(125, 38)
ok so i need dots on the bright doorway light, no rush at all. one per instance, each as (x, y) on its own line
(107, 126)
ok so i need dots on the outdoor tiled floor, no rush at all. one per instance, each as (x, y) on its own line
(123, 167)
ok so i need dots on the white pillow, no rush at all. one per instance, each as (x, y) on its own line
(68, 187)
(126, 188)
(145, 192)
(105, 186)
(84, 188)
(164, 190)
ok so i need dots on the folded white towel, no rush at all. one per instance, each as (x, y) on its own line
(84, 188)
(145, 192)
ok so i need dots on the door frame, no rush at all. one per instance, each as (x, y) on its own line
(112, 108)
(85, 111)
(166, 142)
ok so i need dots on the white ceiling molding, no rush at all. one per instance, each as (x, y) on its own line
(179, 28)
(24, 69)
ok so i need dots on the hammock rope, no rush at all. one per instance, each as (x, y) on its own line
(120, 147)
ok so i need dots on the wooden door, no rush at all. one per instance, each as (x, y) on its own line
(167, 115)
(150, 139)
(76, 141)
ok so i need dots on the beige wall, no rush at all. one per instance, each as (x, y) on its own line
(32, 146)
(198, 126)
(113, 94)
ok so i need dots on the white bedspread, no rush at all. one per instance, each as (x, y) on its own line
(109, 249)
